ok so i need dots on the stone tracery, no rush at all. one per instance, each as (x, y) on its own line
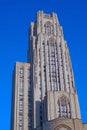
(48, 28)
(64, 109)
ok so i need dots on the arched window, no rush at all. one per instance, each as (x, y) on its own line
(62, 127)
(48, 28)
(64, 109)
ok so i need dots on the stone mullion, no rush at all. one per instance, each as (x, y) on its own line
(58, 64)
(50, 66)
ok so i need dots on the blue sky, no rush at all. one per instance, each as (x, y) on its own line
(15, 18)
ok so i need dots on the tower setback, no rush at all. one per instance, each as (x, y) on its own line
(44, 96)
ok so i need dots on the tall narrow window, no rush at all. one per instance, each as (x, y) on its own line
(48, 28)
(64, 107)
(21, 97)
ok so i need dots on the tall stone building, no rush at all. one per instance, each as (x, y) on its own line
(44, 96)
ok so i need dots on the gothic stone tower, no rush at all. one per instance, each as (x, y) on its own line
(44, 96)
(55, 101)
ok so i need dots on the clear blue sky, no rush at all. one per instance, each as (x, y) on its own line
(15, 18)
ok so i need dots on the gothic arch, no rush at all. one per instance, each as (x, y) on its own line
(51, 41)
(62, 127)
(63, 97)
(48, 23)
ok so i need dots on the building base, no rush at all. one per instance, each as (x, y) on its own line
(65, 124)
